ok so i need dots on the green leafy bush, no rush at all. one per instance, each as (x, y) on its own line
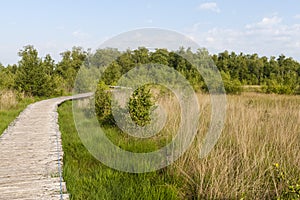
(232, 86)
(273, 86)
(140, 106)
(103, 104)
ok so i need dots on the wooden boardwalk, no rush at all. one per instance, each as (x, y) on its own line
(31, 154)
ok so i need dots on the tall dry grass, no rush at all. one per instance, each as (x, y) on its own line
(8, 99)
(257, 155)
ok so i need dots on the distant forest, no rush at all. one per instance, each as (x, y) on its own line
(38, 76)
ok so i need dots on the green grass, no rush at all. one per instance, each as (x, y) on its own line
(8, 115)
(256, 157)
(88, 178)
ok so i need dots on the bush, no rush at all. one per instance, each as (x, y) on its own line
(232, 86)
(103, 104)
(272, 86)
(140, 106)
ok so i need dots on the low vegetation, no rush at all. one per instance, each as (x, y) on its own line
(256, 156)
(11, 104)
(87, 178)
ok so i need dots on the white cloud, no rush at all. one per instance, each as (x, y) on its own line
(270, 21)
(210, 6)
(266, 22)
(268, 37)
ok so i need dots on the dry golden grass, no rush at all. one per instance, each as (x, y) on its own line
(8, 99)
(11, 104)
(256, 157)
(261, 131)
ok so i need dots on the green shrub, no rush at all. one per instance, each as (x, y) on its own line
(272, 86)
(140, 106)
(103, 104)
(232, 86)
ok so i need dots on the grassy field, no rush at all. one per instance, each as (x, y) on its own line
(256, 157)
(10, 107)
(87, 178)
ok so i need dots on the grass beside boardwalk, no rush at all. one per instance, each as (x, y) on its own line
(10, 108)
(256, 157)
(87, 178)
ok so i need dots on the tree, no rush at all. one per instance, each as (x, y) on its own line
(7, 78)
(33, 75)
(141, 55)
(104, 57)
(112, 73)
(126, 61)
(68, 67)
(160, 56)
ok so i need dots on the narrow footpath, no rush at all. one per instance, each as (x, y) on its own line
(31, 154)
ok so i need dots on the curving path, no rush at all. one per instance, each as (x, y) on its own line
(31, 154)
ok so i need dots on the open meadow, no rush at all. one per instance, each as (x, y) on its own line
(256, 157)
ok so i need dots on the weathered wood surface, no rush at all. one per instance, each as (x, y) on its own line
(31, 154)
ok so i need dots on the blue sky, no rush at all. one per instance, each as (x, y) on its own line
(263, 27)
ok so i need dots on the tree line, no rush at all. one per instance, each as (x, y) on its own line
(42, 77)
(38, 76)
